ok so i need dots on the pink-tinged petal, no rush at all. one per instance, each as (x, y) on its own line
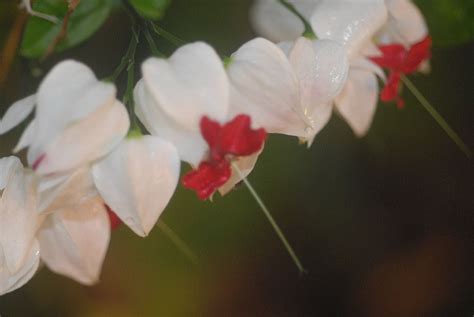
(351, 23)
(405, 23)
(74, 242)
(264, 86)
(191, 146)
(190, 84)
(11, 281)
(19, 220)
(358, 100)
(369, 66)
(245, 165)
(17, 113)
(87, 140)
(272, 20)
(138, 179)
(69, 93)
(64, 191)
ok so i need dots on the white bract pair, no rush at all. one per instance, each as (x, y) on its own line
(355, 24)
(80, 163)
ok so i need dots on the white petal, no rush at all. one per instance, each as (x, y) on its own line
(74, 242)
(191, 84)
(321, 67)
(70, 92)
(18, 217)
(27, 137)
(367, 65)
(17, 113)
(358, 100)
(191, 146)
(350, 22)
(9, 166)
(12, 281)
(66, 191)
(264, 86)
(245, 166)
(405, 24)
(138, 179)
(273, 21)
(86, 140)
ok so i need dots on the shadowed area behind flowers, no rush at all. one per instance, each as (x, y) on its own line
(383, 224)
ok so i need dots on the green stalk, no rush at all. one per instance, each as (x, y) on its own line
(178, 242)
(308, 30)
(165, 34)
(437, 117)
(272, 221)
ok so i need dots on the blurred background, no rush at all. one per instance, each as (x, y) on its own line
(383, 224)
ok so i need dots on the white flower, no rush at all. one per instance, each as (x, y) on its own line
(176, 93)
(405, 24)
(276, 23)
(19, 221)
(354, 23)
(351, 23)
(137, 180)
(290, 94)
(74, 240)
(77, 120)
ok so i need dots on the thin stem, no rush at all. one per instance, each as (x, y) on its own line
(308, 30)
(166, 35)
(151, 43)
(125, 61)
(272, 221)
(128, 96)
(178, 242)
(437, 117)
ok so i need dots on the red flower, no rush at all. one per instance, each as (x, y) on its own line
(226, 142)
(399, 60)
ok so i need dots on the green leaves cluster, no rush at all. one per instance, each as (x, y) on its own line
(150, 9)
(88, 17)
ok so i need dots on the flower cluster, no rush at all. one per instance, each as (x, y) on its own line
(85, 173)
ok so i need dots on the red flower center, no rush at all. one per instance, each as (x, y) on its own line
(399, 60)
(233, 139)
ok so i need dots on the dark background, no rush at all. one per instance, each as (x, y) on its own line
(384, 224)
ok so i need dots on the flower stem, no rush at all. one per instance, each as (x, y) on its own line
(437, 117)
(151, 43)
(272, 221)
(308, 30)
(178, 242)
(165, 34)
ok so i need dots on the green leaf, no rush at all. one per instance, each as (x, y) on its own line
(150, 9)
(451, 22)
(88, 17)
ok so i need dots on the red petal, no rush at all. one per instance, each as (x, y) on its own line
(237, 138)
(390, 91)
(418, 53)
(207, 178)
(392, 57)
(115, 221)
(210, 131)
